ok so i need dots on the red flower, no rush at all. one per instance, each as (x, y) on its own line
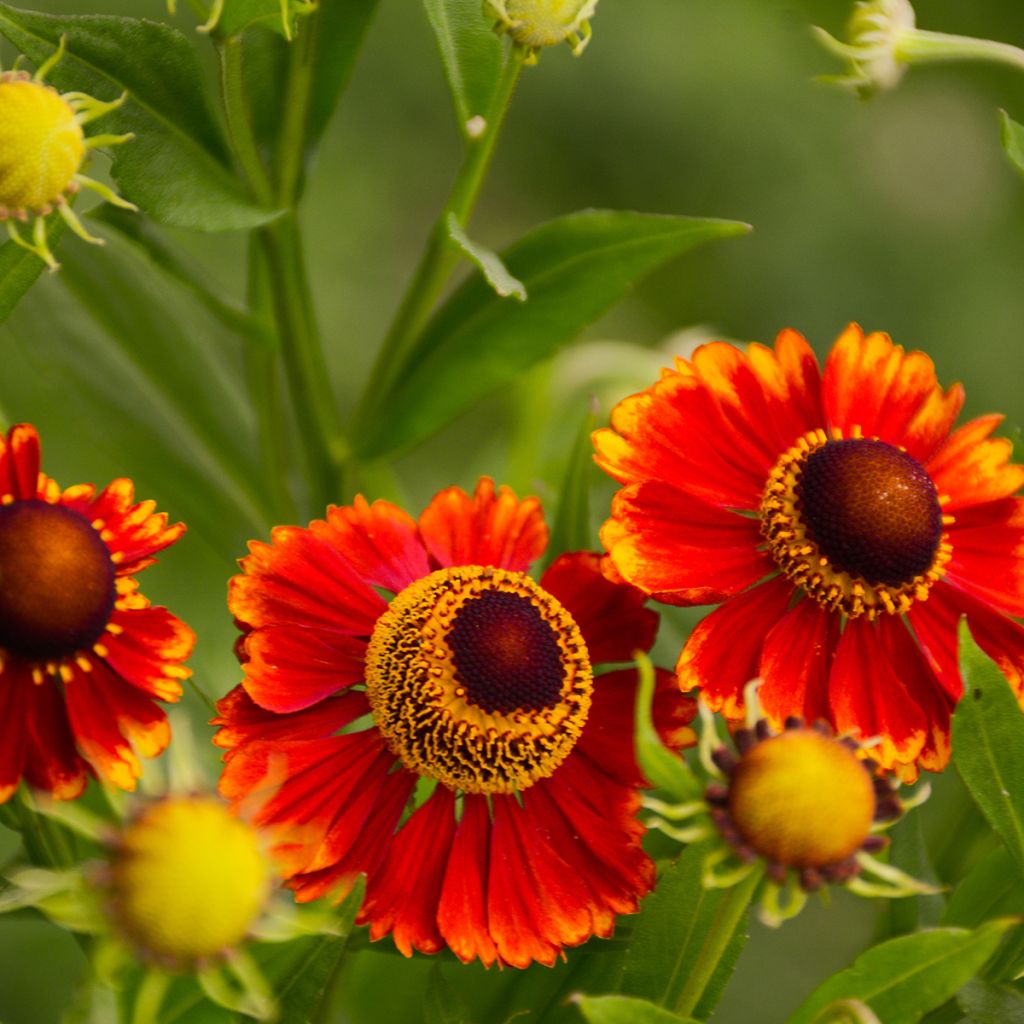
(82, 653)
(839, 520)
(485, 714)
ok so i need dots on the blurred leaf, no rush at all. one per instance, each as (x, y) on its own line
(142, 232)
(904, 978)
(994, 888)
(571, 528)
(1012, 136)
(20, 269)
(176, 168)
(847, 1011)
(909, 853)
(340, 31)
(488, 263)
(988, 745)
(574, 269)
(670, 955)
(443, 1005)
(471, 54)
(624, 1010)
(991, 1004)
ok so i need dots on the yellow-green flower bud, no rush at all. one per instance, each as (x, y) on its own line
(537, 23)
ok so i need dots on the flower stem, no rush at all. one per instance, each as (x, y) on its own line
(919, 46)
(728, 918)
(440, 256)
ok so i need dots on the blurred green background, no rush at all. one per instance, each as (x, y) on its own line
(901, 214)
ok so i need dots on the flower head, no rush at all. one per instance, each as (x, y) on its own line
(538, 23)
(187, 879)
(42, 149)
(440, 724)
(841, 523)
(82, 653)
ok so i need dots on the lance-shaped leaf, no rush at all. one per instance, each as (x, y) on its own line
(573, 268)
(624, 1010)
(488, 263)
(177, 167)
(903, 979)
(471, 55)
(570, 530)
(988, 746)
(1012, 136)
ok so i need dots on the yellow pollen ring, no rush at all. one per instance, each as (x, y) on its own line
(423, 711)
(802, 561)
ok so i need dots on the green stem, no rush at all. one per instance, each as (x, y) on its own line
(291, 147)
(312, 398)
(440, 256)
(236, 110)
(728, 918)
(150, 997)
(918, 46)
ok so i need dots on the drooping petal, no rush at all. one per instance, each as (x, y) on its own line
(145, 647)
(936, 624)
(380, 541)
(52, 762)
(302, 580)
(681, 550)
(402, 895)
(796, 662)
(611, 617)
(290, 668)
(489, 528)
(888, 393)
(15, 685)
(972, 467)
(723, 652)
(872, 697)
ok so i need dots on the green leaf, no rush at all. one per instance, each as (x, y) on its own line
(687, 938)
(991, 1004)
(238, 15)
(471, 55)
(1011, 135)
(488, 263)
(904, 978)
(176, 168)
(571, 528)
(623, 1010)
(20, 269)
(574, 269)
(443, 1005)
(988, 745)
(994, 888)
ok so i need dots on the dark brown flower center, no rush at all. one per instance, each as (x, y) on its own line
(56, 581)
(871, 509)
(506, 655)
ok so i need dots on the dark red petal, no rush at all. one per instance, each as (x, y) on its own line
(796, 662)
(462, 909)
(680, 549)
(723, 653)
(888, 393)
(302, 580)
(15, 685)
(52, 761)
(489, 528)
(19, 463)
(288, 668)
(611, 616)
(871, 697)
(936, 624)
(402, 895)
(380, 541)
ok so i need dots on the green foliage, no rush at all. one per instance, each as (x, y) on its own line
(176, 168)
(983, 1003)
(1012, 136)
(624, 1010)
(20, 269)
(471, 55)
(570, 530)
(488, 263)
(904, 978)
(239, 15)
(574, 269)
(988, 746)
